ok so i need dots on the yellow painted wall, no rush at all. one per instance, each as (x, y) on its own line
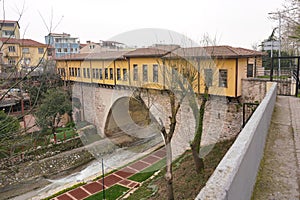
(242, 74)
(122, 64)
(34, 55)
(149, 62)
(18, 55)
(15, 29)
(6, 52)
(164, 73)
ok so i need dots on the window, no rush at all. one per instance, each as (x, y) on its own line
(106, 73)
(118, 74)
(155, 73)
(11, 61)
(88, 72)
(174, 74)
(208, 74)
(100, 74)
(25, 50)
(65, 50)
(59, 50)
(97, 73)
(60, 71)
(78, 72)
(111, 75)
(94, 73)
(75, 72)
(145, 73)
(250, 70)
(125, 74)
(84, 72)
(7, 33)
(11, 48)
(27, 61)
(223, 78)
(41, 60)
(135, 72)
(41, 50)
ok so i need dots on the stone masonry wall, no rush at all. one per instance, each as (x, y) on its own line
(254, 90)
(222, 118)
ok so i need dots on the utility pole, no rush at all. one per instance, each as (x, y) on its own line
(279, 13)
(279, 53)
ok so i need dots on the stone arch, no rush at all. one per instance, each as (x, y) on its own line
(129, 120)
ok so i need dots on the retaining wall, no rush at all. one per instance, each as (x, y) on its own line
(235, 176)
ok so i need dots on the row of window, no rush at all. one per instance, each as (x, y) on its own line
(24, 50)
(109, 73)
(66, 50)
(145, 73)
(208, 76)
(96, 73)
(24, 61)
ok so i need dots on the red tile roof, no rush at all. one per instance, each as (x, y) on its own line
(215, 52)
(9, 21)
(23, 42)
(192, 52)
(103, 55)
(146, 52)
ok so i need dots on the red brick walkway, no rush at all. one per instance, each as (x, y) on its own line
(118, 177)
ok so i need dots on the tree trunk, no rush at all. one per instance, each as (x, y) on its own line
(198, 161)
(169, 176)
(195, 145)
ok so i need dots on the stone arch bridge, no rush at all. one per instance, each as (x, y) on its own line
(99, 105)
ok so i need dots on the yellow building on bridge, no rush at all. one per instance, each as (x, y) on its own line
(220, 68)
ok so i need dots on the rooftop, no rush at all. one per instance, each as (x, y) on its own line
(215, 52)
(9, 21)
(23, 42)
(171, 51)
(103, 55)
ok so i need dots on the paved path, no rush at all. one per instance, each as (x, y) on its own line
(279, 175)
(118, 177)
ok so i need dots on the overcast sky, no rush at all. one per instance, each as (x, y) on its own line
(239, 23)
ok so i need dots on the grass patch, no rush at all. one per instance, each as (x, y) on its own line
(64, 191)
(186, 182)
(111, 193)
(148, 172)
(66, 134)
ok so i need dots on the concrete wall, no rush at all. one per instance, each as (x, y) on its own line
(235, 176)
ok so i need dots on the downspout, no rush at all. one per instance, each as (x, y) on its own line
(198, 61)
(115, 80)
(255, 66)
(236, 75)
(91, 72)
(164, 73)
(128, 73)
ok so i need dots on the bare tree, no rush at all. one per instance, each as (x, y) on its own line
(15, 77)
(289, 21)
